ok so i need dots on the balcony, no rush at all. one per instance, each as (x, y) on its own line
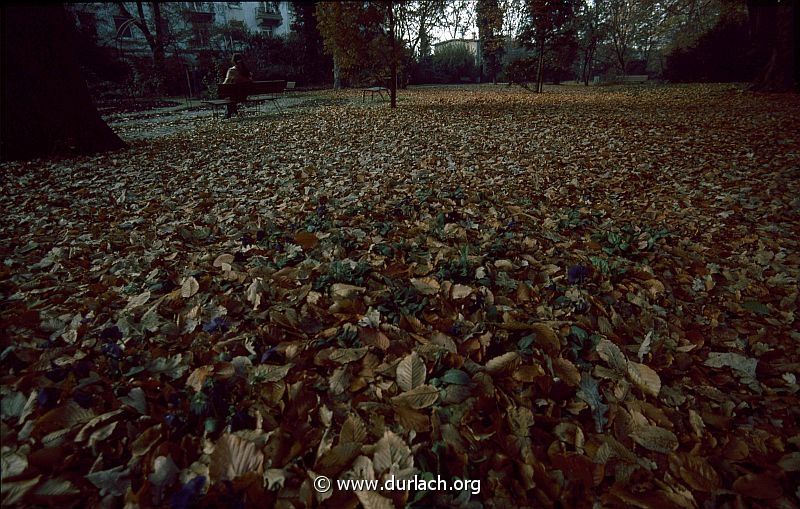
(200, 12)
(268, 17)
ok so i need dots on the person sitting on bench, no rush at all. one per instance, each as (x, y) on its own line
(238, 73)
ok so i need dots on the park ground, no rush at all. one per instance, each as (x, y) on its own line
(584, 296)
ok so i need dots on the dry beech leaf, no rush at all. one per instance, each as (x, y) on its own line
(418, 397)
(529, 373)
(138, 301)
(758, 486)
(233, 457)
(347, 355)
(270, 373)
(353, 430)
(612, 355)
(189, 287)
(373, 337)
(654, 438)
(410, 372)
(645, 378)
(224, 261)
(426, 285)
(307, 240)
(460, 292)
(373, 500)
(337, 458)
(567, 371)
(392, 454)
(546, 338)
(198, 377)
(146, 440)
(698, 473)
(506, 362)
(412, 419)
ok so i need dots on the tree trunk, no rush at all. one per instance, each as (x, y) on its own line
(774, 31)
(393, 62)
(159, 57)
(337, 74)
(539, 77)
(46, 106)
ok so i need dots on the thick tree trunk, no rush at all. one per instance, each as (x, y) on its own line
(46, 107)
(775, 31)
(337, 74)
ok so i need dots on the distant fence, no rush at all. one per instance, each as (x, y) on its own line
(629, 78)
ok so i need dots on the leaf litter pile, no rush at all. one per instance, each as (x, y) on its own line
(581, 298)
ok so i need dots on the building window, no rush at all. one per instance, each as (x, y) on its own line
(123, 27)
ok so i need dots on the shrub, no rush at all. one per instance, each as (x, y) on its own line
(721, 54)
(452, 62)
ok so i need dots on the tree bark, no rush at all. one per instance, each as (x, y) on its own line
(46, 106)
(337, 73)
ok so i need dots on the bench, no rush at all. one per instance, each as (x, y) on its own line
(633, 78)
(372, 91)
(251, 92)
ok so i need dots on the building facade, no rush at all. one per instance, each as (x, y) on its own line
(187, 27)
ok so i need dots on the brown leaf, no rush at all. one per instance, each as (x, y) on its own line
(546, 338)
(419, 397)
(233, 457)
(307, 240)
(426, 285)
(189, 287)
(373, 337)
(612, 355)
(645, 378)
(528, 373)
(198, 377)
(504, 363)
(760, 486)
(412, 419)
(698, 473)
(567, 371)
(373, 500)
(655, 438)
(410, 372)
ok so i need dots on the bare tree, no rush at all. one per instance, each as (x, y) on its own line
(459, 16)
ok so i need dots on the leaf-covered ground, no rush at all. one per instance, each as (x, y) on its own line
(582, 298)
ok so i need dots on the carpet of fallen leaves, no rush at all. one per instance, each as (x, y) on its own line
(581, 298)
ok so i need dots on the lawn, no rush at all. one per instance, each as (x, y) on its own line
(578, 297)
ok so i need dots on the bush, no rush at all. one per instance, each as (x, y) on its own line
(721, 54)
(521, 71)
(453, 62)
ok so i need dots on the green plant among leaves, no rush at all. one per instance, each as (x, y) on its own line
(459, 269)
(506, 282)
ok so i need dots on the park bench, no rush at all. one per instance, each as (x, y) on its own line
(253, 92)
(632, 78)
(379, 85)
(372, 91)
